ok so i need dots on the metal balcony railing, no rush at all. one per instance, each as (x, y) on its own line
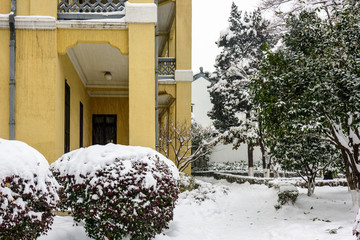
(90, 9)
(166, 68)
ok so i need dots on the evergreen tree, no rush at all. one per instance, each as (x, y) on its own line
(311, 86)
(306, 156)
(242, 46)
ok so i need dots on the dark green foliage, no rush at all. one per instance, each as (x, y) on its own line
(310, 87)
(287, 193)
(287, 197)
(306, 156)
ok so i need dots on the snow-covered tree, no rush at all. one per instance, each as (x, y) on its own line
(306, 156)
(282, 9)
(233, 111)
(311, 86)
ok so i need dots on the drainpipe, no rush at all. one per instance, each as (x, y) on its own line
(12, 70)
(156, 83)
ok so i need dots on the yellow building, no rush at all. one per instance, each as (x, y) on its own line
(79, 72)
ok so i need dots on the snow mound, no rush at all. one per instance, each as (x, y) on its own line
(87, 161)
(202, 191)
(21, 160)
(356, 227)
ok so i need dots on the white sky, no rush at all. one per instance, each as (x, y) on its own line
(209, 18)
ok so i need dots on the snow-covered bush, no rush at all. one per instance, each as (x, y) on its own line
(118, 190)
(187, 182)
(287, 193)
(194, 190)
(201, 138)
(28, 192)
(356, 227)
(232, 166)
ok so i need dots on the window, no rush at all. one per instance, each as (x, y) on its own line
(67, 119)
(81, 125)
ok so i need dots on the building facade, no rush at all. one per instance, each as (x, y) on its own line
(79, 72)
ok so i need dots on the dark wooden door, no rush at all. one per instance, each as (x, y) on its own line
(67, 119)
(104, 129)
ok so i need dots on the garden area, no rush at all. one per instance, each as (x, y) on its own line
(290, 87)
(122, 192)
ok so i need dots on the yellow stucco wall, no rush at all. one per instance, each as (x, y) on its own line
(118, 106)
(142, 85)
(78, 93)
(183, 34)
(4, 82)
(42, 67)
(183, 61)
(172, 41)
(36, 7)
(5, 7)
(35, 89)
(68, 38)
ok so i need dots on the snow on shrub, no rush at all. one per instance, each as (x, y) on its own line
(356, 227)
(287, 193)
(197, 191)
(28, 192)
(118, 190)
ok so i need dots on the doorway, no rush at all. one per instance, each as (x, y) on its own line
(104, 129)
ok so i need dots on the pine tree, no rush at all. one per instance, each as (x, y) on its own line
(242, 46)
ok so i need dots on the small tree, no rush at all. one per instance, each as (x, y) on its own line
(306, 156)
(199, 136)
(177, 140)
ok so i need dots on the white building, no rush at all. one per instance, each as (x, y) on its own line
(201, 105)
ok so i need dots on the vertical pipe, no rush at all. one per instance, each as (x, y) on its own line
(156, 83)
(12, 70)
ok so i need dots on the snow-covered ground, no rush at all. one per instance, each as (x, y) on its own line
(246, 212)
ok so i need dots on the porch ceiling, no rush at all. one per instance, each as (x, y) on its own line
(166, 13)
(91, 61)
(165, 101)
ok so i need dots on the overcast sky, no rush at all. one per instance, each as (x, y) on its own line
(209, 18)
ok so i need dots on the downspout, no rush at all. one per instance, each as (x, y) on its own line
(12, 70)
(156, 83)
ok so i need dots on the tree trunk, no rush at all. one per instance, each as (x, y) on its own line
(311, 186)
(353, 178)
(251, 159)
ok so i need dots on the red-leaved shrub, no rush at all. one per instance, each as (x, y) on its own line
(118, 190)
(28, 192)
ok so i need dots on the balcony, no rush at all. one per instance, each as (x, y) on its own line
(166, 68)
(90, 9)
